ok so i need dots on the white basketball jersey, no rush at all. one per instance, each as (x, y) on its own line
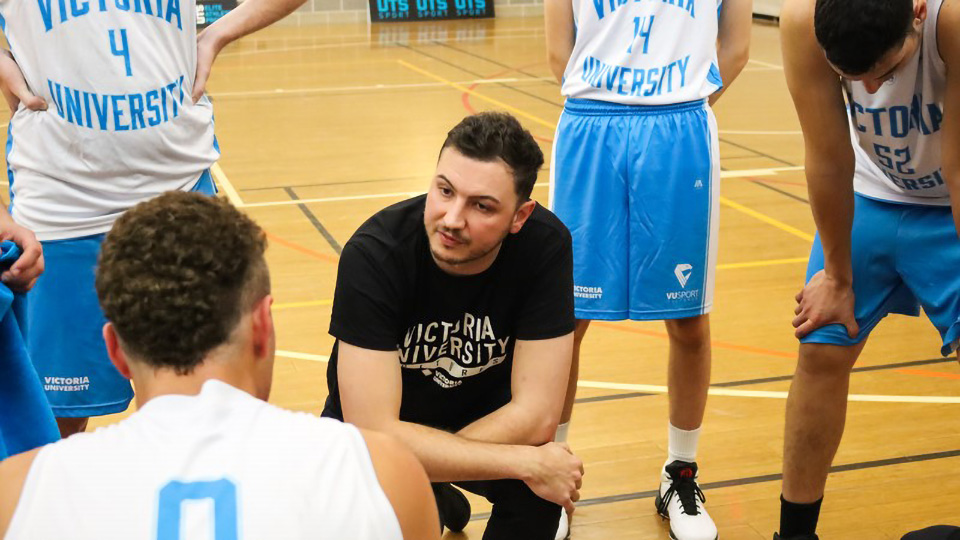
(896, 132)
(121, 126)
(643, 52)
(220, 465)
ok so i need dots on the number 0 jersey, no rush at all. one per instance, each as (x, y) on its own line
(221, 464)
(121, 127)
(896, 131)
(644, 52)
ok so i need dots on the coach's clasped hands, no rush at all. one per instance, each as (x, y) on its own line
(555, 474)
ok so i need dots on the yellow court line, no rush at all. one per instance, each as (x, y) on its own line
(767, 219)
(478, 95)
(221, 179)
(757, 264)
(311, 303)
(400, 194)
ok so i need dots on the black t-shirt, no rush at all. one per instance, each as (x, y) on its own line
(454, 334)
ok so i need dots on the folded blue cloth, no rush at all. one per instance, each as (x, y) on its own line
(26, 420)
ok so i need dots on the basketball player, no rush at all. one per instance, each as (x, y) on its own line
(454, 326)
(112, 113)
(880, 189)
(185, 288)
(635, 177)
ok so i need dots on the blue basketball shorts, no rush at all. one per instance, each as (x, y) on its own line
(65, 341)
(904, 256)
(638, 187)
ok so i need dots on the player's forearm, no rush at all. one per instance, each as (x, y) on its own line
(513, 424)
(951, 173)
(732, 59)
(451, 458)
(248, 17)
(831, 200)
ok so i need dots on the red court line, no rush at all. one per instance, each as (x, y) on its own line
(465, 98)
(925, 373)
(718, 344)
(305, 250)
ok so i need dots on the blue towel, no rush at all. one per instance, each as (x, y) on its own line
(26, 420)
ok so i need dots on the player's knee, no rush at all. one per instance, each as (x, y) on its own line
(821, 360)
(692, 333)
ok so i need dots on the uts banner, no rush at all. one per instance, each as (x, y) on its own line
(208, 11)
(429, 10)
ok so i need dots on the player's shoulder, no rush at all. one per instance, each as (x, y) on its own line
(796, 17)
(947, 18)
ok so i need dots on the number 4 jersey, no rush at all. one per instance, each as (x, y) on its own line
(121, 126)
(896, 131)
(221, 464)
(644, 52)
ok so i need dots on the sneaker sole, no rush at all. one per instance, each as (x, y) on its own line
(656, 503)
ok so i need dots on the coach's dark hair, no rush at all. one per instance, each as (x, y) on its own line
(855, 34)
(175, 275)
(488, 136)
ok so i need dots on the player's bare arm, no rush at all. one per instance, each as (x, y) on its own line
(818, 97)
(733, 37)
(248, 17)
(405, 484)
(14, 86)
(948, 43)
(13, 474)
(558, 18)
(24, 273)
(370, 393)
(537, 386)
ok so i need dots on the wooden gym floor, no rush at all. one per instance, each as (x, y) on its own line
(323, 126)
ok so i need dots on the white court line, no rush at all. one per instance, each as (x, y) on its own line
(402, 194)
(372, 87)
(303, 356)
(758, 172)
(221, 179)
(374, 41)
(752, 132)
(765, 64)
(768, 395)
(657, 389)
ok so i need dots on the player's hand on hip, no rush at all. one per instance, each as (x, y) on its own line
(825, 300)
(556, 475)
(209, 44)
(14, 86)
(24, 273)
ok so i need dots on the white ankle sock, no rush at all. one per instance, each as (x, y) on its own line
(682, 444)
(561, 435)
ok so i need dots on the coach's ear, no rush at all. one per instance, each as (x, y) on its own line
(115, 351)
(520, 217)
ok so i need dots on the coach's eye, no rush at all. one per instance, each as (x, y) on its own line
(445, 191)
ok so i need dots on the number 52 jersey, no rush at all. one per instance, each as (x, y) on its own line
(121, 126)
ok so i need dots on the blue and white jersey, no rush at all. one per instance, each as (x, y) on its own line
(644, 52)
(121, 126)
(896, 131)
(221, 464)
